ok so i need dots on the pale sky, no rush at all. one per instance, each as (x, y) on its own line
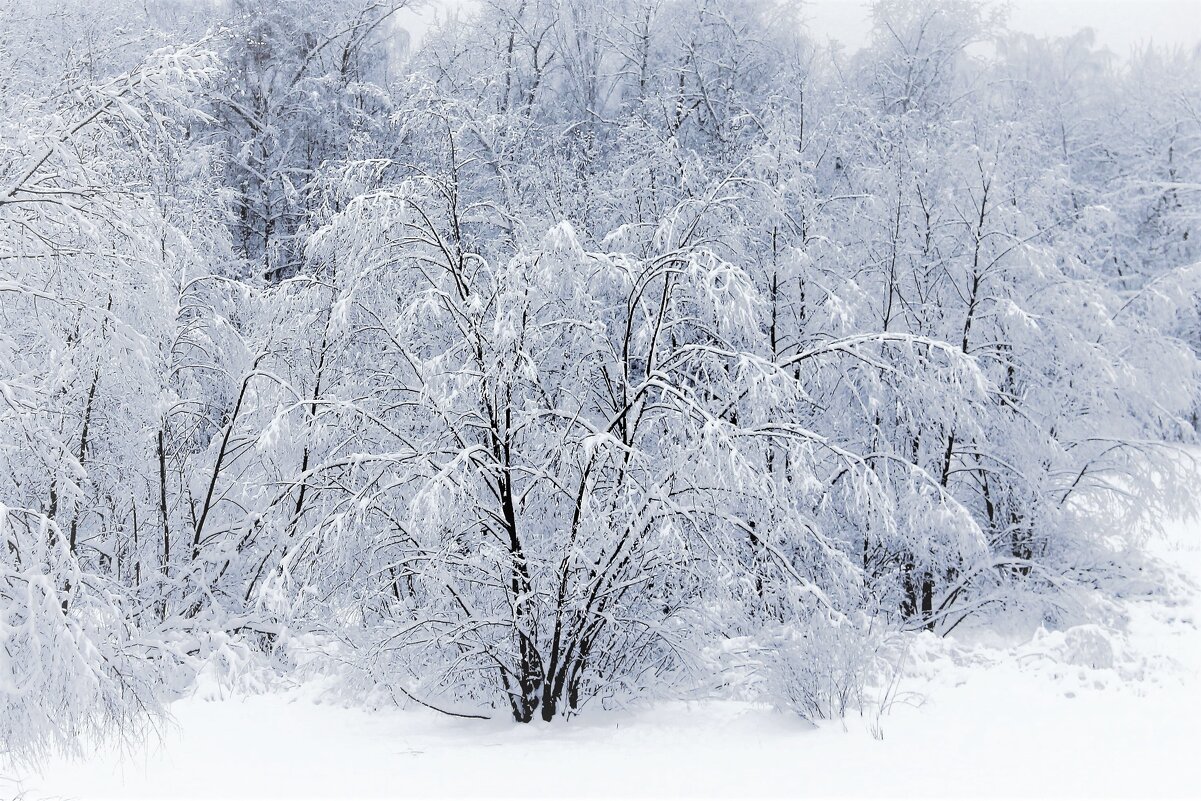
(1119, 24)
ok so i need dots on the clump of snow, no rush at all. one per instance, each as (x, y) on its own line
(1089, 646)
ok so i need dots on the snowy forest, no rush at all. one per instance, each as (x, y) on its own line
(570, 355)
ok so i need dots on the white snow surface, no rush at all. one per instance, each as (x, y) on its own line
(1099, 710)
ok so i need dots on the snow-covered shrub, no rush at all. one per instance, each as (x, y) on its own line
(824, 667)
(72, 665)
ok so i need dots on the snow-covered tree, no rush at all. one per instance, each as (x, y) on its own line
(587, 354)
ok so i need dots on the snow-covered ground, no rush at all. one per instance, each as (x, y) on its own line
(1101, 710)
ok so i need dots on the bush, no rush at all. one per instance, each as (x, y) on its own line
(822, 668)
